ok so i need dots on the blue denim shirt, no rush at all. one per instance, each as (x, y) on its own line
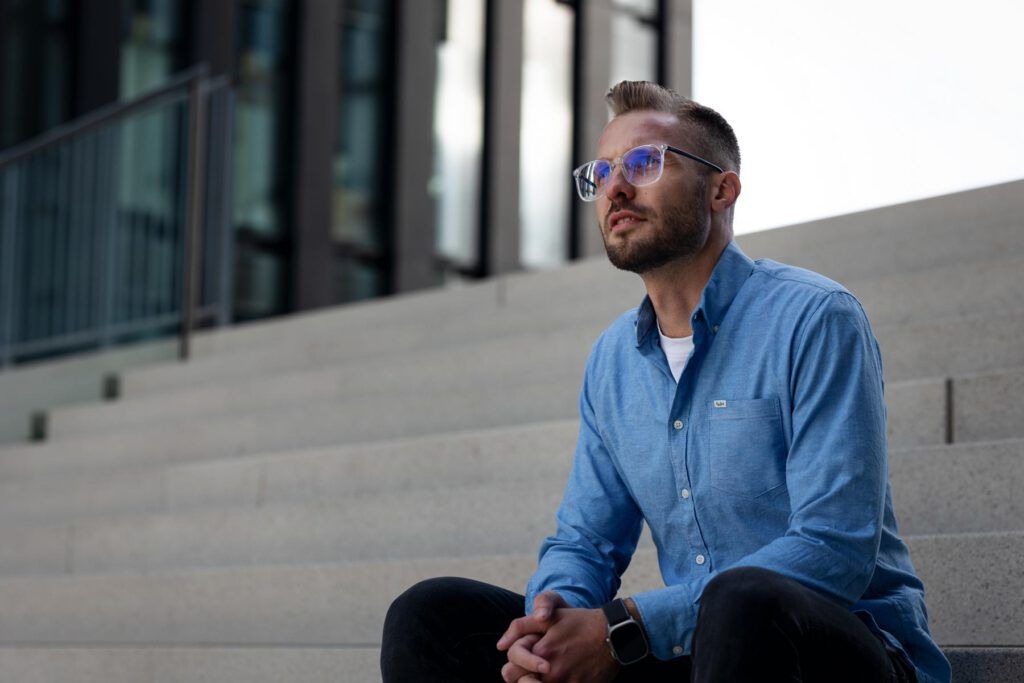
(769, 452)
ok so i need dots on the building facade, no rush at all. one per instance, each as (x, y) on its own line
(377, 146)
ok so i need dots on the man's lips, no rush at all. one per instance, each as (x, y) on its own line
(620, 220)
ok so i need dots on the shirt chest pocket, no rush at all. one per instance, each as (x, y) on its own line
(747, 449)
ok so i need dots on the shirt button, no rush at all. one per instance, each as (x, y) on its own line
(678, 424)
(685, 493)
(677, 650)
(700, 559)
(715, 328)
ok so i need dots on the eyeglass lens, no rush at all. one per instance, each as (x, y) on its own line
(640, 166)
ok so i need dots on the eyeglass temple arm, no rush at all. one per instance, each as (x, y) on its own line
(695, 158)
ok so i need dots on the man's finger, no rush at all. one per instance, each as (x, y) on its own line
(545, 604)
(520, 655)
(511, 673)
(519, 628)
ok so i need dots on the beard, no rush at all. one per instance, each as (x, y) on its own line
(681, 232)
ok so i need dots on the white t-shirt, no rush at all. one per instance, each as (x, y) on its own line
(677, 351)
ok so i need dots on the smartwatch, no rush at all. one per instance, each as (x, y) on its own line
(626, 638)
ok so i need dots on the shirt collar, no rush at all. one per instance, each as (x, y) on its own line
(731, 271)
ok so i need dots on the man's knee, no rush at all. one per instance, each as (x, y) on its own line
(744, 593)
(425, 599)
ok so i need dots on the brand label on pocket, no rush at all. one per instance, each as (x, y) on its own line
(720, 403)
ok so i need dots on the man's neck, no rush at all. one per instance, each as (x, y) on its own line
(675, 288)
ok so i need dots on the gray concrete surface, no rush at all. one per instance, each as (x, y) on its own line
(908, 352)
(958, 488)
(974, 585)
(975, 225)
(958, 289)
(199, 664)
(31, 387)
(312, 665)
(911, 350)
(316, 476)
(346, 603)
(988, 404)
(917, 416)
(986, 664)
(935, 490)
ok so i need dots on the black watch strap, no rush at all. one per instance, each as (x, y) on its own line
(616, 612)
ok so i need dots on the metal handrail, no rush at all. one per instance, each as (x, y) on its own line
(169, 92)
(192, 86)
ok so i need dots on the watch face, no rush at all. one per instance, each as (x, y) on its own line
(628, 642)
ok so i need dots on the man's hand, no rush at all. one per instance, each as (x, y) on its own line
(557, 642)
(575, 649)
(523, 633)
(537, 621)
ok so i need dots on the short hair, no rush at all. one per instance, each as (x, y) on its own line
(712, 136)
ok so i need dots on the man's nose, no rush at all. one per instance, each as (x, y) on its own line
(617, 186)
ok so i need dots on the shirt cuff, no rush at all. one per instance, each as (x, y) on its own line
(670, 617)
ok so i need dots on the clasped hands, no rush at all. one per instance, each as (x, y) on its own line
(562, 644)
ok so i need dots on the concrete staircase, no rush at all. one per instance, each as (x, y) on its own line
(249, 516)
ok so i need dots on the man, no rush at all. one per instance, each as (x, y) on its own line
(739, 411)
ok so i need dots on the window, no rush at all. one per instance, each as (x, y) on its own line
(458, 133)
(545, 156)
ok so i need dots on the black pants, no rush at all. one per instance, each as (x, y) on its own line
(753, 625)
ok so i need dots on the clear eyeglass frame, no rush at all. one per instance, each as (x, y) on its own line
(591, 190)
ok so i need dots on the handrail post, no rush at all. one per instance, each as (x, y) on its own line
(195, 207)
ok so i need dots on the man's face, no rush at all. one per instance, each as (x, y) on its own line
(646, 227)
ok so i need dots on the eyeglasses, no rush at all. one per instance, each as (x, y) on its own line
(641, 166)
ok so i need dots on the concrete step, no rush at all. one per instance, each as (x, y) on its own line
(388, 526)
(32, 387)
(300, 426)
(971, 582)
(975, 225)
(940, 347)
(505, 360)
(214, 664)
(955, 488)
(595, 300)
(196, 664)
(935, 490)
(908, 352)
(986, 664)
(919, 414)
(902, 238)
(959, 488)
(320, 476)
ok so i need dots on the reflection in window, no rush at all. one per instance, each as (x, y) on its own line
(458, 132)
(362, 163)
(35, 38)
(634, 47)
(152, 44)
(261, 163)
(545, 151)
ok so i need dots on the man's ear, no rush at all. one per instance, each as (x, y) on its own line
(726, 191)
